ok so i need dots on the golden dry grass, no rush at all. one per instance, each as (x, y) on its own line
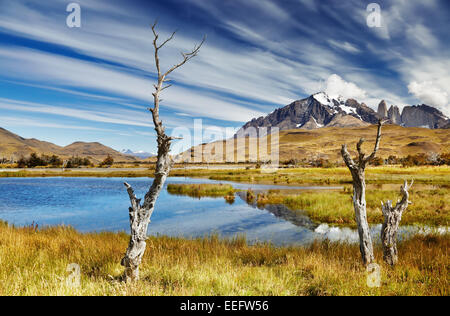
(341, 175)
(430, 207)
(34, 262)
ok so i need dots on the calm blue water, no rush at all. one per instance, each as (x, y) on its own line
(101, 204)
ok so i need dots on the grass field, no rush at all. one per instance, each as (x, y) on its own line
(430, 207)
(34, 262)
(200, 190)
(384, 174)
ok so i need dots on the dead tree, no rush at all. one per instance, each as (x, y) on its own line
(357, 170)
(140, 213)
(392, 217)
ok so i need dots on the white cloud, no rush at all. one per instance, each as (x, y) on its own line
(422, 35)
(429, 94)
(50, 69)
(274, 74)
(344, 46)
(336, 86)
(20, 121)
(123, 117)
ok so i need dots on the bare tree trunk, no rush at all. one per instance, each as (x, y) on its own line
(357, 170)
(392, 218)
(140, 214)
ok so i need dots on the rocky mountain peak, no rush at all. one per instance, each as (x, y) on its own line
(382, 109)
(423, 116)
(394, 115)
(321, 110)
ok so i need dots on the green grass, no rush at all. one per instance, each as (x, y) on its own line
(34, 262)
(430, 206)
(201, 190)
(375, 175)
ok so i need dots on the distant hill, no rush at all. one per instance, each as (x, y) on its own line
(326, 142)
(12, 145)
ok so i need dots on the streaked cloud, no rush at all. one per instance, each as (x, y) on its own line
(259, 55)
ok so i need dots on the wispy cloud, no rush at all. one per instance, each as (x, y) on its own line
(344, 46)
(259, 55)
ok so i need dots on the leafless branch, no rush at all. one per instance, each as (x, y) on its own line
(377, 143)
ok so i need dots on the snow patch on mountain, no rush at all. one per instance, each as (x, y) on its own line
(140, 154)
(335, 104)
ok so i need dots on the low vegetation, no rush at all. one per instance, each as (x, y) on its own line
(420, 159)
(324, 176)
(293, 176)
(430, 206)
(34, 262)
(107, 162)
(35, 161)
(201, 190)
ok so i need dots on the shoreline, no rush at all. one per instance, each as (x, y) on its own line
(439, 175)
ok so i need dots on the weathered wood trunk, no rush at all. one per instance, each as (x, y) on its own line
(392, 217)
(140, 214)
(357, 170)
(359, 205)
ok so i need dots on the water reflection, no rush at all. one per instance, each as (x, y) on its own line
(101, 204)
(298, 218)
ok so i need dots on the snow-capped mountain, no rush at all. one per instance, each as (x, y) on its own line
(320, 110)
(317, 111)
(140, 154)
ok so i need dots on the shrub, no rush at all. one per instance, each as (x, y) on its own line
(377, 161)
(76, 162)
(107, 162)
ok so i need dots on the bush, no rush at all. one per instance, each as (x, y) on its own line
(377, 161)
(107, 162)
(322, 163)
(76, 162)
(43, 161)
(392, 160)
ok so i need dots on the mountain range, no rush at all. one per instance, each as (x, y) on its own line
(139, 154)
(13, 146)
(319, 110)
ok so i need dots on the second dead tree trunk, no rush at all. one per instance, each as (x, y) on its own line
(392, 217)
(357, 170)
(140, 214)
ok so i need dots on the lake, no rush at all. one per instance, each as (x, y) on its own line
(101, 204)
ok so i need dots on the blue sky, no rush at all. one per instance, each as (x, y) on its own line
(94, 83)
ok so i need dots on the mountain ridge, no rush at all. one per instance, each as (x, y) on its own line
(14, 146)
(319, 110)
(139, 154)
